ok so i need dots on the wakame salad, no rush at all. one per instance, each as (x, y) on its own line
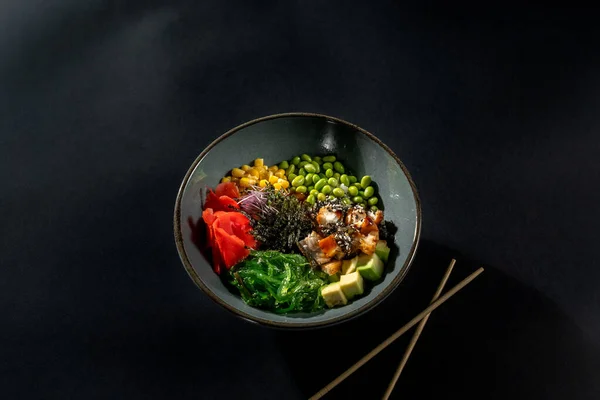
(297, 236)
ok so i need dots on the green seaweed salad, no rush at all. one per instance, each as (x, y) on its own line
(279, 282)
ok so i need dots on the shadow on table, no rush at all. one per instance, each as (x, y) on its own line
(496, 339)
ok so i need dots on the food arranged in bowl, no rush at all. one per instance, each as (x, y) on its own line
(278, 287)
(297, 236)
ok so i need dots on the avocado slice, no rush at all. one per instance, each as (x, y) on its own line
(352, 284)
(333, 295)
(370, 267)
(334, 277)
(349, 266)
(382, 250)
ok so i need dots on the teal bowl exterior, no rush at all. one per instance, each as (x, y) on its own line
(280, 137)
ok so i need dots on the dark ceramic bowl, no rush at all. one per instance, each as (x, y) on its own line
(280, 137)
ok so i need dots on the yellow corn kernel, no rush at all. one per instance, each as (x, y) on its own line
(284, 184)
(253, 172)
(259, 162)
(237, 173)
(245, 182)
(245, 167)
(226, 179)
(277, 185)
(280, 173)
(269, 174)
(264, 168)
(273, 179)
(263, 183)
(264, 175)
(235, 180)
(273, 168)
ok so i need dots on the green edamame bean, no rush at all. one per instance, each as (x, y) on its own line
(352, 179)
(327, 166)
(311, 199)
(321, 197)
(374, 208)
(308, 178)
(283, 165)
(291, 177)
(365, 181)
(302, 172)
(290, 170)
(318, 160)
(369, 192)
(306, 157)
(333, 182)
(353, 191)
(331, 197)
(310, 168)
(361, 193)
(295, 160)
(344, 179)
(336, 175)
(329, 158)
(301, 189)
(337, 192)
(339, 167)
(326, 189)
(320, 183)
(298, 181)
(372, 201)
(314, 192)
(347, 201)
(301, 164)
(317, 166)
(357, 199)
(309, 188)
(329, 173)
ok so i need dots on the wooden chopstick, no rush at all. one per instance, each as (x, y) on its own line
(396, 335)
(415, 337)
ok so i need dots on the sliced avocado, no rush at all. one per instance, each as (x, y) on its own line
(349, 266)
(333, 295)
(370, 267)
(334, 277)
(382, 250)
(352, 284)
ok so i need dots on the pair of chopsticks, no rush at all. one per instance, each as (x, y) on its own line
(420, 319)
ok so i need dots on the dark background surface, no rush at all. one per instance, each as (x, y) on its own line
(104, 105)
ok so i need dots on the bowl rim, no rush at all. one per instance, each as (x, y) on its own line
(304, 325)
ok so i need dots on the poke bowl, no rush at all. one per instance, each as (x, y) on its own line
(297, 220)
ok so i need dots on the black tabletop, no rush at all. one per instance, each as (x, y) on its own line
(105, 104)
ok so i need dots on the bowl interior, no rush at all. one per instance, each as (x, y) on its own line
(280, 138)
